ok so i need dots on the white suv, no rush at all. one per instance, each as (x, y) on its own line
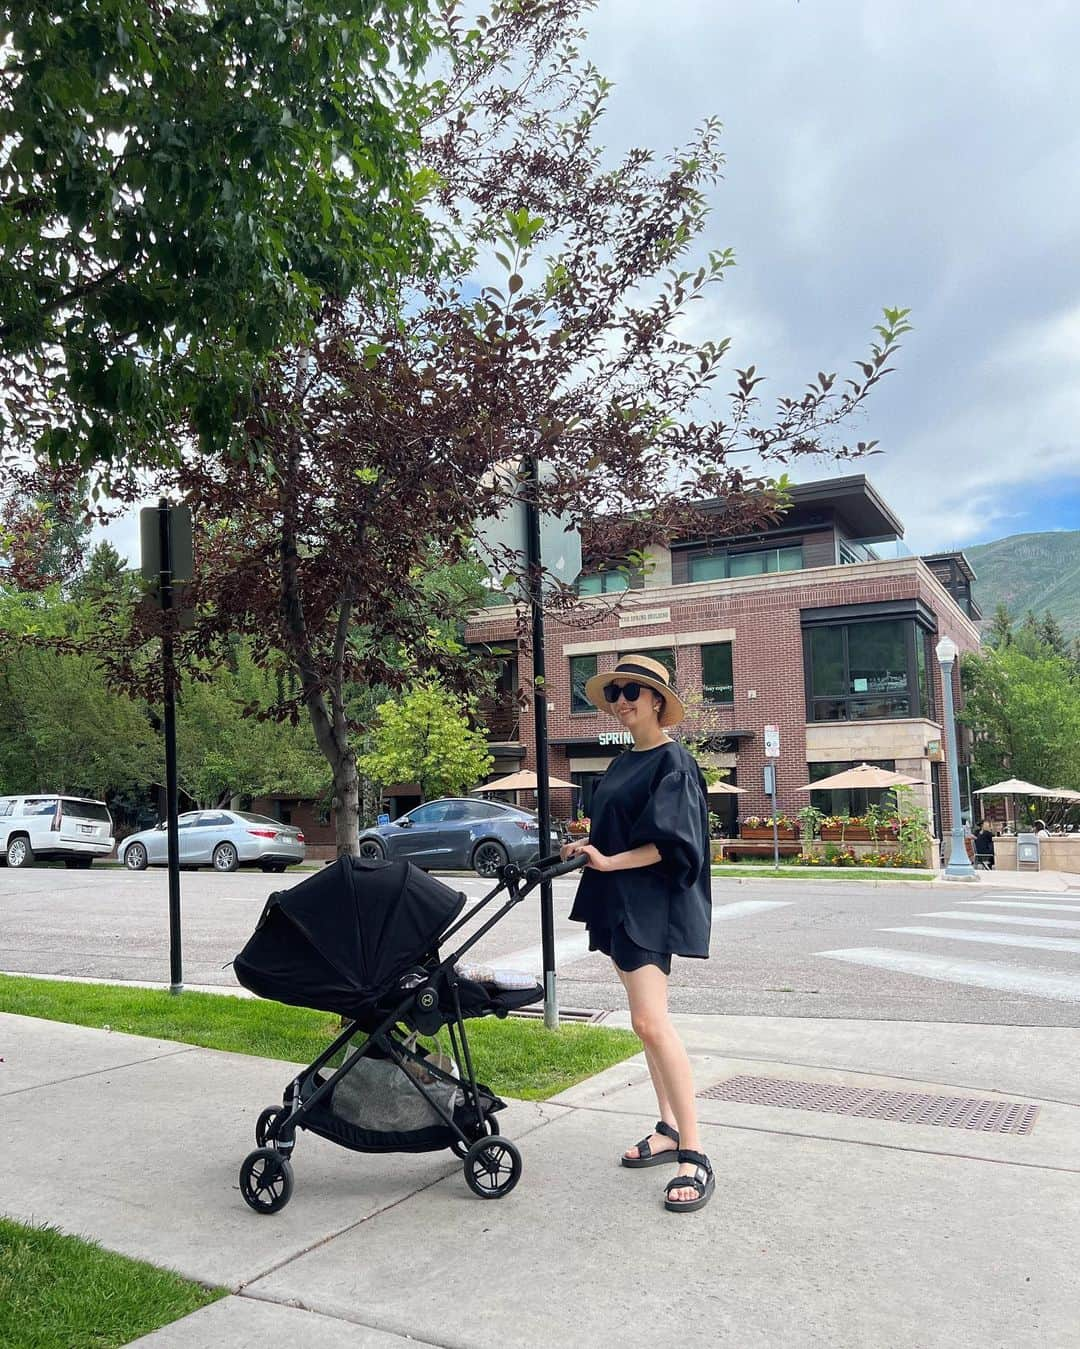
(69, 827)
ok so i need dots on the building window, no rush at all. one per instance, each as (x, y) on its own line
(851, 802)
(664, 654)
(717, 566)
(582, 668)
(716, 675)
(869, 670)
(602, 583)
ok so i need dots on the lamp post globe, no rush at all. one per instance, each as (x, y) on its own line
(959, 866)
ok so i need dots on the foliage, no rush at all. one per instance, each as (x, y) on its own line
(424, 738)
(182, 185)
(767, 822)
(810, 820)
(1031, 571)
(915, 837)
(1023, 703)
(839, 856)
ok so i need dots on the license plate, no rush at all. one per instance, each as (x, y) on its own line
(86, 828)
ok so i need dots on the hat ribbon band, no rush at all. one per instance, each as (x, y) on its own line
(625, 668)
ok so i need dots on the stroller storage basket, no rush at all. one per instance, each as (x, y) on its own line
(361, 940)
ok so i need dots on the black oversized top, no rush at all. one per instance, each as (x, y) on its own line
(652, 796)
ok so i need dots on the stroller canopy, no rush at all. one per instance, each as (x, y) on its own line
(337, 940)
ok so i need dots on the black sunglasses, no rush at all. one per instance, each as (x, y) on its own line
(631, 691)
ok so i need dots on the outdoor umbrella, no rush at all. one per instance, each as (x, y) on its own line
(520, 782)
(724, 789)
(865, 775)
(1014, 787)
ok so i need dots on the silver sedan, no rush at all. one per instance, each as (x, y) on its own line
(222, 839)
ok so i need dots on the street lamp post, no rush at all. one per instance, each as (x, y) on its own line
(959, 866)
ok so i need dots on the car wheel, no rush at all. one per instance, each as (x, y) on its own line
(19, 852)
(371, 850)
(489, 859)
(225, 857)
(135, 858)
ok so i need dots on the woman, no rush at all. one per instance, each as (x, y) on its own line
(984, 846)
(645, 895)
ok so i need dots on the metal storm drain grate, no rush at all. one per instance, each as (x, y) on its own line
(581, 1014)
(901, 1107)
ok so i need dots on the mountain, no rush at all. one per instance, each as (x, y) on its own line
(1030, 571)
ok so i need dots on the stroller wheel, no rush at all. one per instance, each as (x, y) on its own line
(266, 1180)
(461, 1150)
(492, 1167)
(263, 1123)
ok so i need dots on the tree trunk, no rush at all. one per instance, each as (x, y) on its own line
(347, 805)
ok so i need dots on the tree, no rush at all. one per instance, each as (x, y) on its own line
(425, 738)
(182, 184)
(371, 450)
(1050, 632)
(1025, 711)
(1000, 631)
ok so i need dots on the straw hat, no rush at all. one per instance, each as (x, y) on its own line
(645, 671)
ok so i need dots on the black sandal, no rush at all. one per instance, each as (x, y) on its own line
(702, 1180)
(646, 1156)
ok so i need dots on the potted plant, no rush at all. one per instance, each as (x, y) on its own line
(761, 826)
(579, 827)
(810, 819)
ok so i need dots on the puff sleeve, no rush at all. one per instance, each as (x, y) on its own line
(675, 819)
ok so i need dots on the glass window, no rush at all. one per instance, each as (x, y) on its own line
(188, 821)
(664, 654)
(86, 810)
(5, 807)
(432, 813)
(40, 807)
(249, 818)
(602, 582)
(716, 675)
(850, 802)
(922, 660)
(864, 671)
(789, 559)
(582, 669)
(590, 585)
(708, 567)
(746, 564)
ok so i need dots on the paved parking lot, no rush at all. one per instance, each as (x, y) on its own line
(811, 948)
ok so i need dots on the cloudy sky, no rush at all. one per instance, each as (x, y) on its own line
(922, 153)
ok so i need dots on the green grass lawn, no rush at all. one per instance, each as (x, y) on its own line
(57, 1292)
(763, 869)
(514, 1057)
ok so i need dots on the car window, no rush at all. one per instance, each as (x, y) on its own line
(40, 807)
(215, 817)
(86, 810)
(189, 821)
(432, 813)
(5, 807)
(249, 818)
(458, 810)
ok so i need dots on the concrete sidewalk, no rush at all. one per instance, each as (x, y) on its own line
(825, 1229)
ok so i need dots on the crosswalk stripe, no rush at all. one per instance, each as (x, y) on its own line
(1063, 944)
(742, 908)
(1063, 924)
(1019, 904)
(975, 973)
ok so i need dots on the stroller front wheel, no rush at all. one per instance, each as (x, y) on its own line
(492, 1167)
(266, 1180)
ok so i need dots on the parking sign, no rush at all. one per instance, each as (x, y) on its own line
(772, 742)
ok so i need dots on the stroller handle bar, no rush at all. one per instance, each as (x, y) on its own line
(549, 867)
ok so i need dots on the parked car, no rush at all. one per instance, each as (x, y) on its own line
(42, 827)
(222, 839)
(459, 833)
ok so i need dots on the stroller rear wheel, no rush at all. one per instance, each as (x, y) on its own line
(460, 1149)
(263, 1123)
(266, 1180)
(492, 1167)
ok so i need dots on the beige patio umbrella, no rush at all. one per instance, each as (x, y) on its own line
(525, 781)
(724, 789)
(1014, 787)
(865, 775)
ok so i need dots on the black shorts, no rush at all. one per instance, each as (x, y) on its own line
(625, 952)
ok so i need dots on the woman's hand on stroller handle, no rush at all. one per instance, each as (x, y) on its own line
(558, 864)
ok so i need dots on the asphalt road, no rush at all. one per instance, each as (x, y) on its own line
(813, 948)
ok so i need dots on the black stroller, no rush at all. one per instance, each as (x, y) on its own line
(361, 939)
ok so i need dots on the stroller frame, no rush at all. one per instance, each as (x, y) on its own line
(492, 1163)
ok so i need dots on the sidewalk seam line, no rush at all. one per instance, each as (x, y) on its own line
(862, 1143)
(96, 1072)
(351, 1319)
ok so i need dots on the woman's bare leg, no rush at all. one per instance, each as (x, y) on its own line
(657, 1142)
(646, 990)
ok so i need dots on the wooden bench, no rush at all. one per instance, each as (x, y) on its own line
(756, 847)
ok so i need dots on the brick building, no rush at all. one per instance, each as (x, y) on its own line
(809, 626)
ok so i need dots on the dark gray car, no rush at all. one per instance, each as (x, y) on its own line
(459, 833)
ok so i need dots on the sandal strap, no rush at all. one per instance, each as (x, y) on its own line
(643, 1149)
(695, 1158)
(686, 1182)
(667, 1130)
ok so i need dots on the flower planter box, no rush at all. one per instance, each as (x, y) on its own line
(856, 833)
(746, 831)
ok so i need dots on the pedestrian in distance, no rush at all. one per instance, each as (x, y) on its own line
(1041, 830)
(984, 846)
(645, 895)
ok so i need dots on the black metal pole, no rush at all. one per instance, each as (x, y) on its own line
(168, 671)
(540, 700)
